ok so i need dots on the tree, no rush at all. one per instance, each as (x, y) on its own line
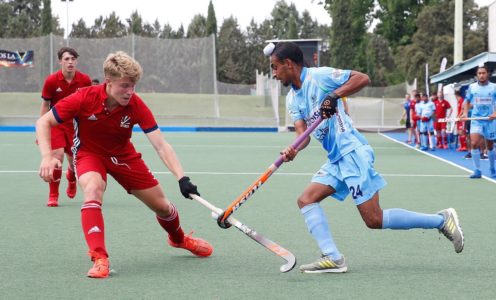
(380, 64)
(97, 28)
(211, 26)
(167, 32)
(135, 23)
(309, 27)
(197, 27)
(56, 29)
(113, 27)
(433, 39)
(180, 32)
(5, 13)
(397, 20)
(79, 30)
(285, 20)
(232, 56)
(348, 32)
(22, 18)
(255, 42)
(156, 28)
(46, 18)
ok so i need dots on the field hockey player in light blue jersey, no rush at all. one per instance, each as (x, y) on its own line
(426, 111)
(481, 97)
(348, 168)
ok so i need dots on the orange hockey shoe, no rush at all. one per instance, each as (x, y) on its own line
(101, 265)
(197, 246)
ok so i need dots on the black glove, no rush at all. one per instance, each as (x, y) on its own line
(187, 187)
(329, 106)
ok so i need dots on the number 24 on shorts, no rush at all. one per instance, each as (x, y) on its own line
(356, 191)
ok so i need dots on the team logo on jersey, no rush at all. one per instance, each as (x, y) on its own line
(337, 73)
(92, 117)
(341, 128)
(58, 90)
(321, 173)
(125, 121)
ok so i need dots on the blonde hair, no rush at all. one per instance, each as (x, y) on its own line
(120, 65)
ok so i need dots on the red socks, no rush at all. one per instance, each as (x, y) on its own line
(463, 141)
(70, 175)
(93, 226)
(172, 226)
(54, 184)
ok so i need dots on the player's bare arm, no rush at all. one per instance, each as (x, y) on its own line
(45, 107)
(355, 83)
(166, 153)
(43, 134)
(466, 108)
(290, 153)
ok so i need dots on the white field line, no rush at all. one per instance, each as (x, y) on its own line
(210, 146)
(258, 173)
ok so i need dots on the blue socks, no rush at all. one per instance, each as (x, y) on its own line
(491, 154)
(394, 218)
(319, 228)
(476, 158)
(397, 218)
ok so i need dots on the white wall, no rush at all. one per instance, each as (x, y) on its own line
(492, 27)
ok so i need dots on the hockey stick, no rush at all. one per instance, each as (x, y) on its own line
(270, 245)
(221, 220)
(447, 120)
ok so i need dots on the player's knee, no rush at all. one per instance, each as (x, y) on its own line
(303, 201)
(94, 190)
(374, 222)
(165, 209)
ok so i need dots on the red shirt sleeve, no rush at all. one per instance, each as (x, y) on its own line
(68, 107)
(47, 91)
(146, 120)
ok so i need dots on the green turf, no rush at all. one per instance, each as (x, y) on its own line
(43, 250)
(169, 109)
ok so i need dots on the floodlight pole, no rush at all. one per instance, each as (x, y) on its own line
(67, 19)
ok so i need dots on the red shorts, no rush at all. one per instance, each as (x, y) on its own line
(62, 137)
(439, 126)
(131, 173)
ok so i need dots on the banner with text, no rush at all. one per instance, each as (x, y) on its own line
(22, 59)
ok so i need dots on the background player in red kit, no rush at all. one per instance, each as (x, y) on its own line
(415, 118)
(58, 85)
(442, 107)
(460, 125)
(104, 117)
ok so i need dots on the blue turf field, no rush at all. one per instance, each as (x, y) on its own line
(449, 155)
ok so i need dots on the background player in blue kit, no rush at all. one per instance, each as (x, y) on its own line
(481, 97)
(349, 165)
(426, 110)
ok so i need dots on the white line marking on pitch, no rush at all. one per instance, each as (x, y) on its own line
(258, 173)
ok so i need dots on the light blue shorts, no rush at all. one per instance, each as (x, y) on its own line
(427, 126)
(353, 174)
(485, 128)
